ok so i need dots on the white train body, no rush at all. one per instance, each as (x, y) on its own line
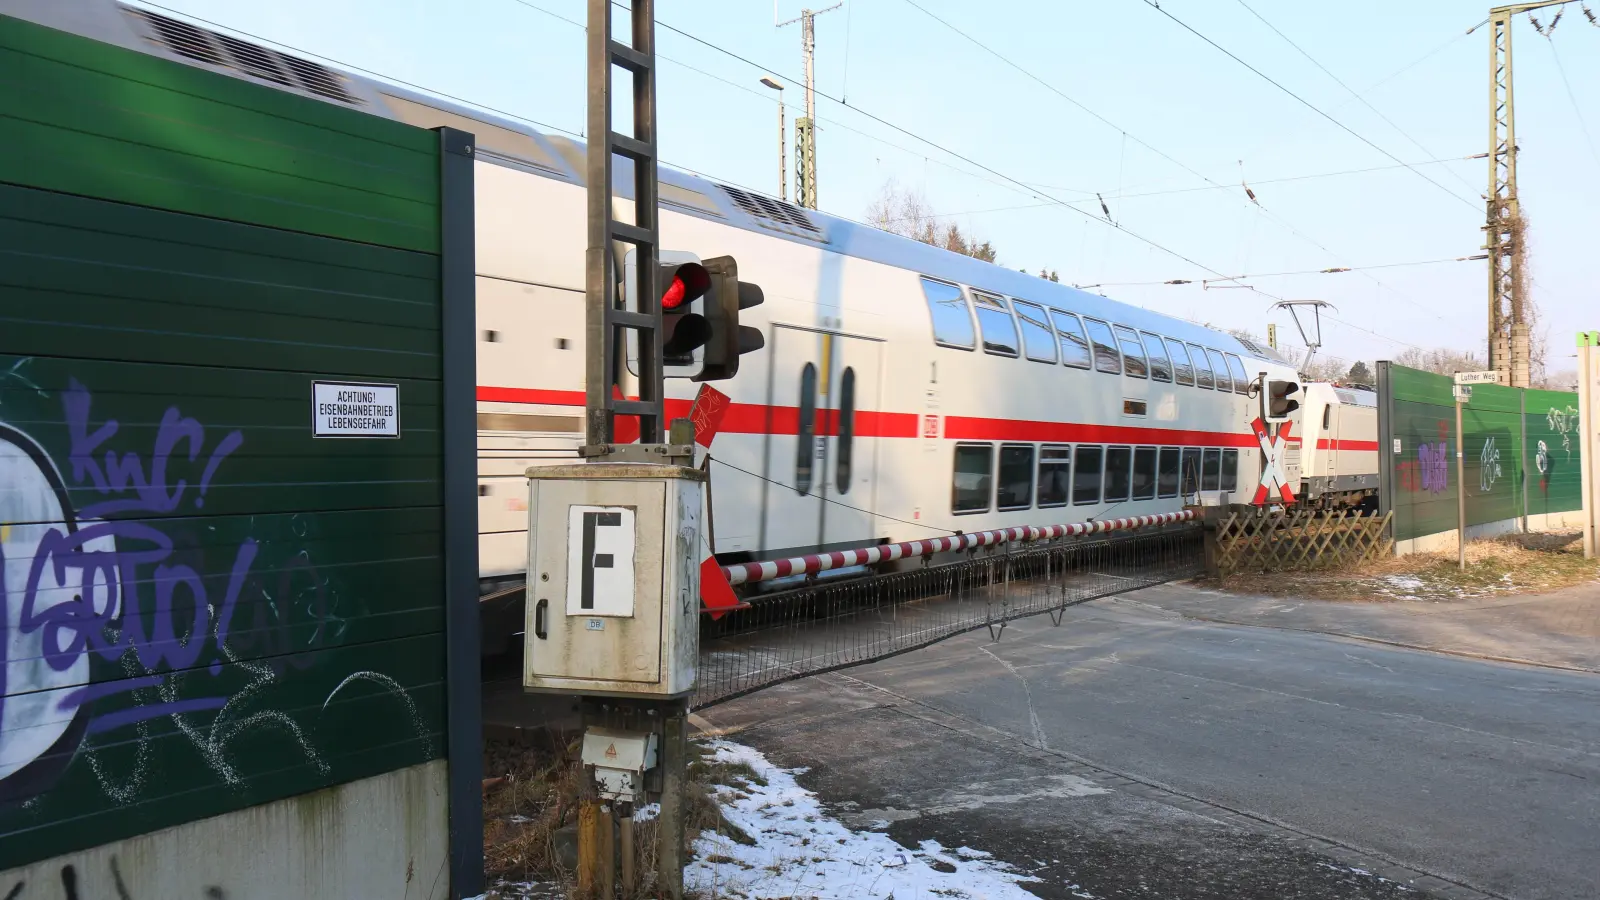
(1338, 455)
(937, 436)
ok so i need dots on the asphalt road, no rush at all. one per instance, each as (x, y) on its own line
(1132, 752)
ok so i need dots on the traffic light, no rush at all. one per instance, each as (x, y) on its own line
(1277, 404)
(727, 339)
(683, 330)
(701, 338)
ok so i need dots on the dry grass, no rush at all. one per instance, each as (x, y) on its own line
(523, 813)
(1518, 564)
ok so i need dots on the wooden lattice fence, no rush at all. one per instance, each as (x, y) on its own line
(1296, 539)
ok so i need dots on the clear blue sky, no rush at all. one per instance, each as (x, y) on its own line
(1158, 84)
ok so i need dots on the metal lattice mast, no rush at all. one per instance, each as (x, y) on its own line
(1509, 348)
(805, 130)
(606, 324)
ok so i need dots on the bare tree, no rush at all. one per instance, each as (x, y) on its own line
(1440, 360)
(906, 212)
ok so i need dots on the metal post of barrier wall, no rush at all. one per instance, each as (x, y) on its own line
(1589, 439)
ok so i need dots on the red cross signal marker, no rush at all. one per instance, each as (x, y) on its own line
(1272, 447)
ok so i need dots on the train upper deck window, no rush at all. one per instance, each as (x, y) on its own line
(994, 320)
(1086, 475)
(1224, 382)
(1038, 341)
(1055, 467)
(974, 473)
(952, 320)
(1160, 365)
(805, 434)
(1106, 357)
(1241, 380)
(1144, 473)
(1074, 346)
(1119, 473)
(1134, 364)
(1182, 371)
(1230, 470)
(1167, 471)
(1211, 471)
(1202, 369)
(1014, 487)
(847, 428)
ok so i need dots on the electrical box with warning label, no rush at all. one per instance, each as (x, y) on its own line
(613, 595)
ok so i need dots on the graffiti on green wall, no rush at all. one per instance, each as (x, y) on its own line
(148, 649)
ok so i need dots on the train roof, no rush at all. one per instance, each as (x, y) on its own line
(521, 145)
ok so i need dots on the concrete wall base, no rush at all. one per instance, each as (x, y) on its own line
(1445, 541)
(381, 837)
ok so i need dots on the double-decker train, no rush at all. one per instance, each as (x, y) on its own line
(903, 391)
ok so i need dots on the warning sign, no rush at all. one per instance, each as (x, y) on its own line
(354, 409)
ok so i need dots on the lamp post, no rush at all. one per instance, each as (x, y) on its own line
(783, 139)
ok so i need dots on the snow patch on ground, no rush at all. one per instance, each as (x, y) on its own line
(1405, 582)
(802, 852)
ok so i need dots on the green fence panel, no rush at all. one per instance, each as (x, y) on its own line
(205, 607)
(88, 118)
(1424, 480)
(1492, 437)
(1553, 450)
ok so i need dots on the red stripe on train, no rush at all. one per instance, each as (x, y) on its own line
(756, 418)
(974, 429)
(1363, 446)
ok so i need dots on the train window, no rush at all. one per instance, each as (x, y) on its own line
(1144, 473)
(1191, 471)
(805, 434)
(1119, 473)
(1202, 369)
(1224, 382)
(1211, 470)
(999, 329)
(1134, 364)
(1160, 366)
(1167, 469)
(1106, 357)
(847, 428)
(1086, 475)
(969, 487)
(1182, 371)
(1230, 470)
(952, 321)
(1038, 341)
(1014, 487)
(1055, 465)
(1074, 346)
(1241, 381)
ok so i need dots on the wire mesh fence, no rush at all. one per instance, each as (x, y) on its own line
(823, 626)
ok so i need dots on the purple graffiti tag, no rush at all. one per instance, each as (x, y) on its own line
(1433, 466)
(112, 586)
(153, 491)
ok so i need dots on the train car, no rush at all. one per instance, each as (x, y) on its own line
(903, 391)
(1338, 449)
